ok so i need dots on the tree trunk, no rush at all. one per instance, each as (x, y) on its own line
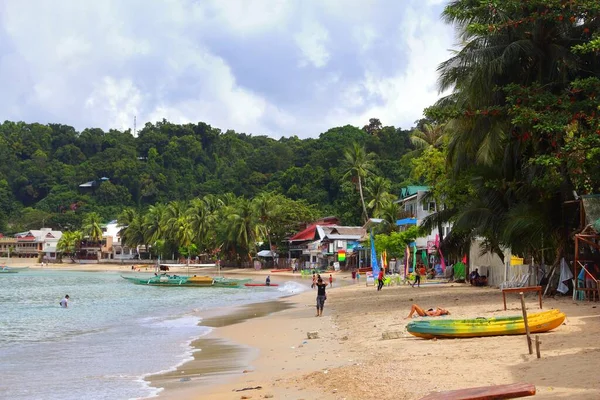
(362, 199)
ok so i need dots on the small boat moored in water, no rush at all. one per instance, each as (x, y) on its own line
(186, 281)
(5, 269)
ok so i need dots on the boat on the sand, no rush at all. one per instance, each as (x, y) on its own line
(186, 281)
(430, 327)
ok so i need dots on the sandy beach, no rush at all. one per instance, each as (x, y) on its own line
(265, 345)
(350, 360)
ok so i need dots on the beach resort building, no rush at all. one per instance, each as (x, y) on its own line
(36, 243)
(324, 243)
(415, 201)
(112, 247)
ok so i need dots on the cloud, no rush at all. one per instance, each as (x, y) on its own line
(258, 66)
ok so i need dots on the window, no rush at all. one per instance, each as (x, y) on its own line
(432, 206)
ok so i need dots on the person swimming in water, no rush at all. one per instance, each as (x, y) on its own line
(64, 303)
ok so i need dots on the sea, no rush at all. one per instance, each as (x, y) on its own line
(113, 334)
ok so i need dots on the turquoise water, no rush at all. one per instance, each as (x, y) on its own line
(112, 335)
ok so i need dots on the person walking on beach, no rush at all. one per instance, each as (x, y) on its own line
(64, 303)
(417, 278)
(330, 280)
(268, 281)
(353, 276)
(380, 280)
(321, 296)
(314, 282)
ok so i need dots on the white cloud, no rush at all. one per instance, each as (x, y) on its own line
(312, 41)
(262, 66)
(115, 101)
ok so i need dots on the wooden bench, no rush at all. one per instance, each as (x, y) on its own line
(522, 289)
(511, 391)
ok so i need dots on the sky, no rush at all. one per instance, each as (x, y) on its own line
(263, 67)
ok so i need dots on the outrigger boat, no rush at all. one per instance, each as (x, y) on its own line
(4, 269)
(187, 281)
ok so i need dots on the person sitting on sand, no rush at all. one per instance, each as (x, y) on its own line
(429, 313)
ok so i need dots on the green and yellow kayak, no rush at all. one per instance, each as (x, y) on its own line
(429, 328)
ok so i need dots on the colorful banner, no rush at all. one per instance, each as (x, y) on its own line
(414, 261)
(374, 265)
(406, 260)
(431, 247)
(442, 261)
(341, 255)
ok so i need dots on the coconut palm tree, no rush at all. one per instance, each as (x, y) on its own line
(432, 135)
(266, 210)
(378, 191)
(357, 164)
(243, 229)
(201, 220)
(92, 227)
(69, 243)
(153, 227)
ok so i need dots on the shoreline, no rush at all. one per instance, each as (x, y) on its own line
(350, 360)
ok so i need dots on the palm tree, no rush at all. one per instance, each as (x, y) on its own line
(243, 228)
(358, 165)
(201, 220)
(515, 45)
(432, 135)
(378, 191)
(91, 227)
(153, 227)
(69, 243)
(390, 212)
(266, 209)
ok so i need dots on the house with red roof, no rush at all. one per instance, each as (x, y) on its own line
(325, 242)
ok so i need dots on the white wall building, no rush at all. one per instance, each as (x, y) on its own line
(412, 200)
(114, 249)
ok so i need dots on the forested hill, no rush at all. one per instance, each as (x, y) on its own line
(42, 166)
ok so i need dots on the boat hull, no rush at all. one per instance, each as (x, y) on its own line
(513, 325)
(184, 281)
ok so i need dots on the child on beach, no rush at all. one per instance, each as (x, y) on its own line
(314, 282)
(330, 280)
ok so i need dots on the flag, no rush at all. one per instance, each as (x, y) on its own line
(414, 245)
(442, 261)
(406, 260)
(374, 265)
(385, 262)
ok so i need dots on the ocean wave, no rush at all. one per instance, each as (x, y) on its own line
(292, 287)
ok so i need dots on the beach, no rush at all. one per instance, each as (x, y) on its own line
(350, 360)
(265, 345)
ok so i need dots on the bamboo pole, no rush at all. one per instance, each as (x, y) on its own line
(537, 346)
(529, 344)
